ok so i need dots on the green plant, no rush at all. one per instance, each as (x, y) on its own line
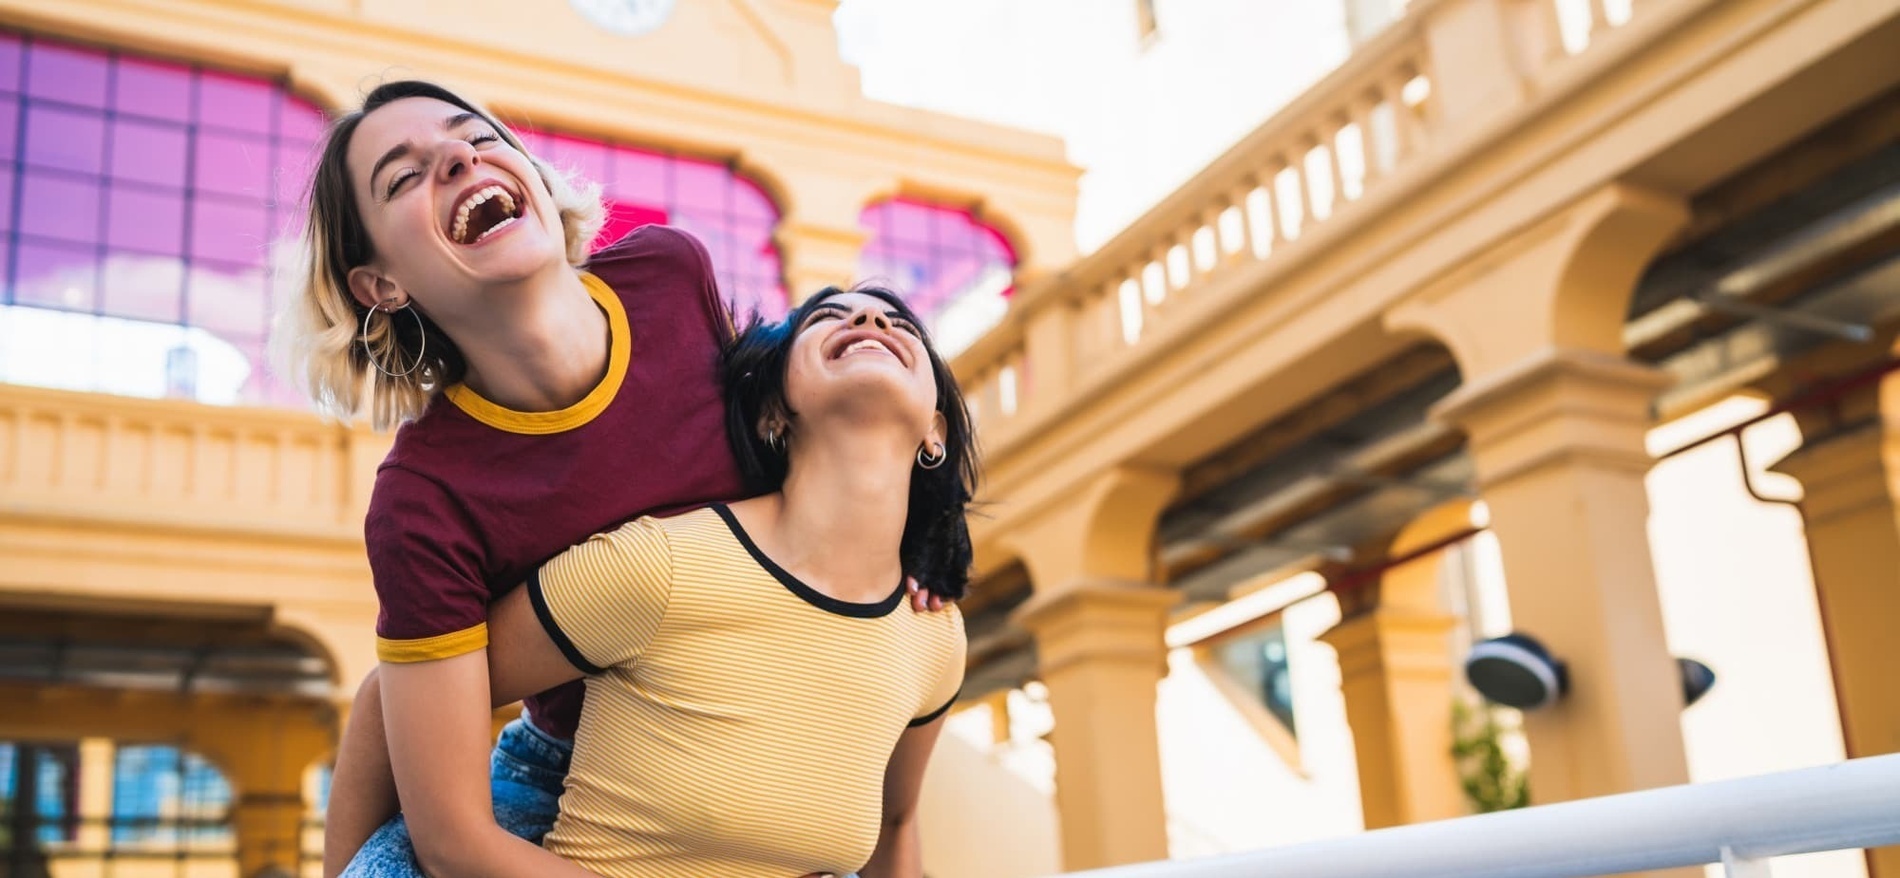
(1491, 781)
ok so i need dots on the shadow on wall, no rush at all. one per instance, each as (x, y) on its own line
(982, 820)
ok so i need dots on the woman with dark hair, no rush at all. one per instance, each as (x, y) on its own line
(724, 645)
(544, 394)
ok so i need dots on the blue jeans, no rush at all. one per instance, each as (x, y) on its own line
(524, 776)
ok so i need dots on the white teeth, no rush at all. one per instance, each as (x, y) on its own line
(497, 227)
(864, 345)
(460, 228)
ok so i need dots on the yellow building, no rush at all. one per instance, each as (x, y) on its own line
(1398, 365)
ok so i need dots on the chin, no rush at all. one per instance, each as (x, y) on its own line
(871, 398)
(517, 262)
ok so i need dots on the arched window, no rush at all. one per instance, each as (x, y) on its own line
(728, 212)
(164, 795)
(143, 205)
(954, 270)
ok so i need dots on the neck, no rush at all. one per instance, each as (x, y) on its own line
(842, 513)
(539, 345)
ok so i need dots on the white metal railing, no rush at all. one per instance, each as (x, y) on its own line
(1739, 823)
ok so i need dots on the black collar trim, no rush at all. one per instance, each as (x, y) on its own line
(792, 583)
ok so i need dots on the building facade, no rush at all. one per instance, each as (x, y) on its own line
(1466, 337)
(187, 608)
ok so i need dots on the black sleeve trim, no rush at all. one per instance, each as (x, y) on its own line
(541, 611)
(931, 717)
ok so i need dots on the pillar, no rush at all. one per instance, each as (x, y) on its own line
(1474, 49)
(1850, 479)
(817, 256)
(1101, 653)
(1396, 672)
(264, 747)
(1100, 629)
(1558, 446)
(1850, 482)
(821, 195)
(97, 758)
(269, 829)
(1396, 678)
(1555, 420)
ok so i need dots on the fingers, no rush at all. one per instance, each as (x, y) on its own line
(923, 601)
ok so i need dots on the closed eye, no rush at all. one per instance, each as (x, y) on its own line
(399, 178)
(407, 174)
(823, 312)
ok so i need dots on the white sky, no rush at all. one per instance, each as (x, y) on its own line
(1139, 116)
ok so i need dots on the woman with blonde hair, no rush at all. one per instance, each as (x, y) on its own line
(544, 394)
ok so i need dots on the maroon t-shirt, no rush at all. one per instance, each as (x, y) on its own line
(473, 497)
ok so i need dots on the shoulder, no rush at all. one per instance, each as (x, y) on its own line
(398, 484)
(697, 530)
(406, 505)
(441, 429)
(663, 273)
(651, 243)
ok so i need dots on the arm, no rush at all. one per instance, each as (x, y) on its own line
(362, 787)
(522, 658)
(900, 852)
(611, 592)
(432, 637)
(437, 717)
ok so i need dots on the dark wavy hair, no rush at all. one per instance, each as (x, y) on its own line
(936, 544)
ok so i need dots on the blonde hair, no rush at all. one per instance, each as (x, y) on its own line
(319, 340)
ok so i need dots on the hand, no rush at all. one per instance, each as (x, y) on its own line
(923, 601)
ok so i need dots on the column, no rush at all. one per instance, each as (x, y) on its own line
(96, 765)
(269, 828)
(1100, 628)
(1396, 671)
(1396, 675)
(1101, 651)
(821, 194)
(1475, 68)
(1557, 442)
(264, 747)
(1850, 480)
(815, 256)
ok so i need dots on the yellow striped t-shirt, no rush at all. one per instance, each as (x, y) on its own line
(737, 722)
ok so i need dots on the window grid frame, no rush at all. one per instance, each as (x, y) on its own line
(886, 245)
(261, 386)
(728, 256)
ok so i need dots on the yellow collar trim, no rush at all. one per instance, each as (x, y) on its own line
(620, 348)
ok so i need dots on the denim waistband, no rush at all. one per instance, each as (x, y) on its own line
(523, 741)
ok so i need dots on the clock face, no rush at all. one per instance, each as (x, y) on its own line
(629, 18)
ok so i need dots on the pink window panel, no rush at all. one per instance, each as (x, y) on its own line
(934, 255)
(730, 214)
(149, 200)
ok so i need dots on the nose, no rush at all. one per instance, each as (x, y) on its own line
(871, 317)
(457, 157)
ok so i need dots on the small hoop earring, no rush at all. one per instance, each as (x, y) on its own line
(421, 330)
(775, 440)
(930, 460)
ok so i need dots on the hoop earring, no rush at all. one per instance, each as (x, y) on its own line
(927, 460)
(421, 330)
(775, 440)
